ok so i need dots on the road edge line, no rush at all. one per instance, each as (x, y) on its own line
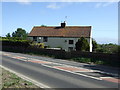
(26, 78)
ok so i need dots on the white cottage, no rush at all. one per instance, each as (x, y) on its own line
(62, 36)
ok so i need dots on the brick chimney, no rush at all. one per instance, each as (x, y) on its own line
(63, 24)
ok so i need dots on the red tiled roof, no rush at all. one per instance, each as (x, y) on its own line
(68, 31)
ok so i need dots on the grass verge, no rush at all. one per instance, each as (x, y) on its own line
(83, 60)
(10, 80)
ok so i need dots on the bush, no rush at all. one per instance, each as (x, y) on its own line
(38, 45)
(82, 45)
(101, 50)
(108, 48)
(14, 42)
(82, 59)
(94, 45)
(89, 60)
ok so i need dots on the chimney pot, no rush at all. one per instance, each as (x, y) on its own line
(63, 24)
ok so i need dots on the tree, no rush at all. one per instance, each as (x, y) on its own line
(119, 49)
(82, 45)
(108, 48)
(94, 45)
(21, 33)
(8, 35)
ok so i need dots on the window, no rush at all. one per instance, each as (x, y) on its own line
(70, 41)
(34, 38)
(70, 48)
(45, 39)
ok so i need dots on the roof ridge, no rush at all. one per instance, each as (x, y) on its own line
(44, 26)
(78, 26)
(59, 26)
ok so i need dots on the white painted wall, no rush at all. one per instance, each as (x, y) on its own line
(91, 41)
(63, 42)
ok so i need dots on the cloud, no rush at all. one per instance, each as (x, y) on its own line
(19, 1)
(53, 6)
(107, 4)
(23, 1)
(102, 4)
(27, 1)
(58, 5)
(98, 5)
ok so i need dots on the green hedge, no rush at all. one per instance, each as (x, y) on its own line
(24, 46)
(12, 43)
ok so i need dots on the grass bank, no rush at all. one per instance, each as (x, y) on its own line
(10, 80)
(82, 60)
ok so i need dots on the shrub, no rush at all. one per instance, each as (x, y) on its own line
(38, 45)
(15, 42)
(82, 59)
(82, 45)
(94, 45)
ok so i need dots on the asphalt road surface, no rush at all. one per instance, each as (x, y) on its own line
(56, 75)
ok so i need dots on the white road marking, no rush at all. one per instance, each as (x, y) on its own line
(48, 61)
(106, 77)
(73, 72)
(81, 71)
(27, 78)
(64, 66)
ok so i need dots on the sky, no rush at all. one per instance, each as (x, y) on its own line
(102, 16)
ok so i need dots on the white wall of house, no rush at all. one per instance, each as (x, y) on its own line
(63, 42)
(91, 42)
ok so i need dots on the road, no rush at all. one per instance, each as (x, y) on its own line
(56, 75)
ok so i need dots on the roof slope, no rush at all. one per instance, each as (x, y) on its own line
(68, 31)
